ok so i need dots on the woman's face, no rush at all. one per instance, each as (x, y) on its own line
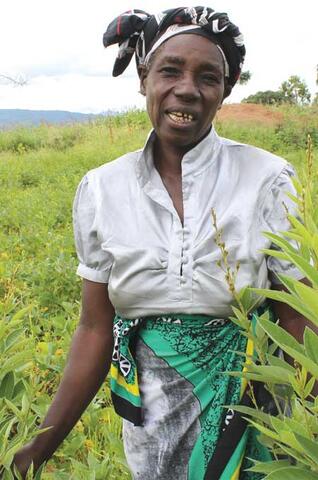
(184, 88)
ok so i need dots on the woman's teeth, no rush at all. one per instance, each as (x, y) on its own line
(180, 117)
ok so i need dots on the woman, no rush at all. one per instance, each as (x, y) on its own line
(147, 252)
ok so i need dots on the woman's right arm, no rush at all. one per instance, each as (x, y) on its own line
(87, 366)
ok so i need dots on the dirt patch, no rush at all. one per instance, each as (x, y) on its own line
(250, 113)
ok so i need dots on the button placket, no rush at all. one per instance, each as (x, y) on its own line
(186, 259)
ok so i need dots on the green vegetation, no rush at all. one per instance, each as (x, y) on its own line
(293, 91)
(39, 292)
(291, 433)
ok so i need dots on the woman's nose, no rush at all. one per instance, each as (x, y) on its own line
(187, 87)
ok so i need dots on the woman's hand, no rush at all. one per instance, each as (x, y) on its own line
(23, 459)
(86, 369)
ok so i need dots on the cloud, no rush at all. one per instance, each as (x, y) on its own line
(74, 92)
(58, 45)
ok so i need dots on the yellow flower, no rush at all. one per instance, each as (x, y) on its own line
(79, 427)
(59, 352)
(89, 443)
(43, 347)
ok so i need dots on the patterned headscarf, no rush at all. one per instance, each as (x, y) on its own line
(137, 32)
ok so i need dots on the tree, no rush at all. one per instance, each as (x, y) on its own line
(295, 91)
(18, 81)
(245, 77)
(268, 97)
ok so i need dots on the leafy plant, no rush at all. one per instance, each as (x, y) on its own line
(292, 433)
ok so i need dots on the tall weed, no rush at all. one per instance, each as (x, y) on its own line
(291, 434)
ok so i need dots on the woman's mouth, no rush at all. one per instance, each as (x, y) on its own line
(181, 118)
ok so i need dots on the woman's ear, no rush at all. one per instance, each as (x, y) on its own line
(227, 89)
(142, 71)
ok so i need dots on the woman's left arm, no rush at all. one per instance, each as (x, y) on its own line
(293, 322)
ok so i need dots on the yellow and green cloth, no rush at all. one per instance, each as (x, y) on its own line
(199, 349)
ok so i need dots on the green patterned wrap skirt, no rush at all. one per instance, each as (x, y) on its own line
(168, 382)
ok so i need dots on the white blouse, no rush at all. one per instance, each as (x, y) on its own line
(129, 235)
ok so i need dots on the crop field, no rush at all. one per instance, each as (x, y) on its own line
(40, 169)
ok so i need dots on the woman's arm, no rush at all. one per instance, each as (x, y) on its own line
(86, 368)
(293, 322)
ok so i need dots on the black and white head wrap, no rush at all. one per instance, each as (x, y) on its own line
(137, 32)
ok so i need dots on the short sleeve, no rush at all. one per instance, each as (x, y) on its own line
(94, 263)
(277, 206)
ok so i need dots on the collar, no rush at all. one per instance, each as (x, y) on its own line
(194, 162)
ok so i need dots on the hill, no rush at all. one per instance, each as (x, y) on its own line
(12, 117)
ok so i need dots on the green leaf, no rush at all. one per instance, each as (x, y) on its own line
(266, 431)
(13, 337)
(25, 405)
(305, 362)
(310, 447)
(292, 473)
(18, 388)
(300, 228)
(252, 412)
(21, 313)
(267, 378)
(288, 437)
(309, 387)
(274, 374)
(298, 260)
(309, 296)
(301, 459)
(281, 242)
(17, 360)
(279, 362)
(291, 300)
(13, 408)
(280, 336)
(311, 344)
(268, 467)
(39, 472)
(242, 319)
(7, 385)
(290, 345)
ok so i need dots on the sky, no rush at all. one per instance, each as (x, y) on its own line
(57, 47)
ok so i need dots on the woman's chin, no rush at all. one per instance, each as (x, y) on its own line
(182, 135)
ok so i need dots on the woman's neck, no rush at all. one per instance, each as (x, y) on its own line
(167, 159)
(168, 156)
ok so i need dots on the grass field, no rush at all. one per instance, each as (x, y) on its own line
(39, 291)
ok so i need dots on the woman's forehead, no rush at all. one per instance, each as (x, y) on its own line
(180, 48)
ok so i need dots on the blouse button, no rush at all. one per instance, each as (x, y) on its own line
(186, 246)
(185, 260)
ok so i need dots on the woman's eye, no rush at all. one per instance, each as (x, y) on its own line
(210, 78)
(169, 71)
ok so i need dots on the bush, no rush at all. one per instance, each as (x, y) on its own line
(292, 433)
(268, 97)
